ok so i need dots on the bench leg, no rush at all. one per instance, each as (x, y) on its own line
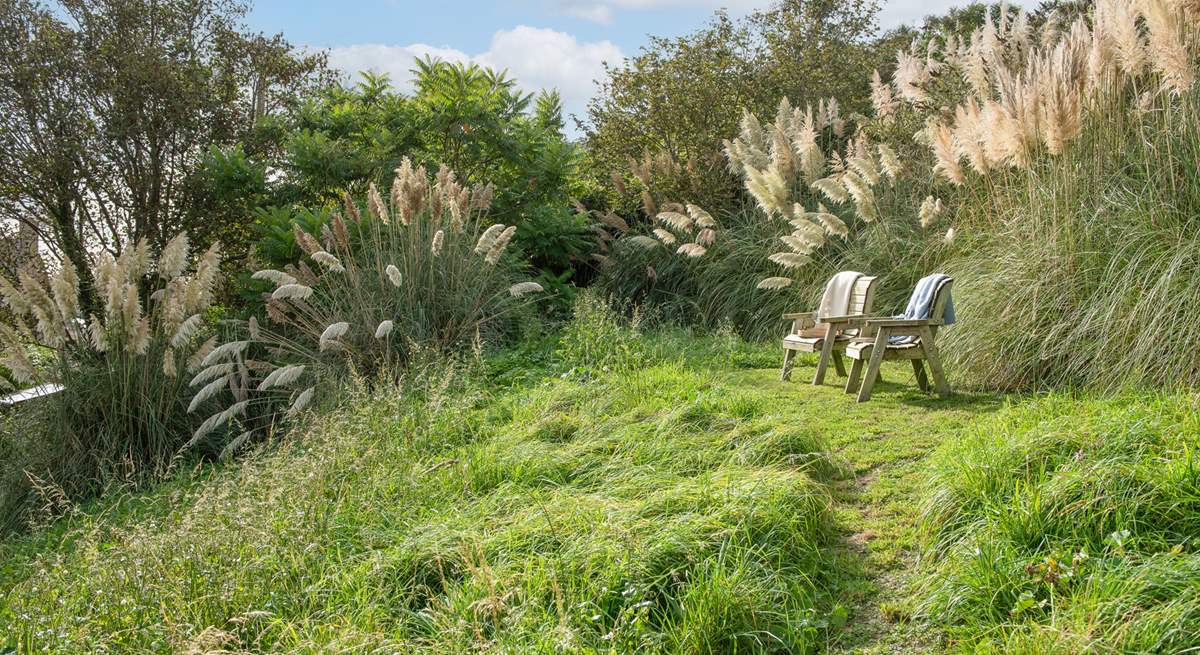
(919, 370)
(855, 375)
(877, 352)
(935, 362)
(788, 356)
(826, 352)
(839, 364)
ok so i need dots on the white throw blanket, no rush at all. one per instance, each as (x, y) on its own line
(836, 301)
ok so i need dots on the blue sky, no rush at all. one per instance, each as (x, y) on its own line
(543, 43)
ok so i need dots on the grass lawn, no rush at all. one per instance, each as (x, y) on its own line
(683, 501)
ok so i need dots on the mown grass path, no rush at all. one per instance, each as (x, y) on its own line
(882, 447)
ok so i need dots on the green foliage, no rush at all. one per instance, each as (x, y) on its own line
(1067, 524)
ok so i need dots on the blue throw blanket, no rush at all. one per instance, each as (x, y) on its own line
(921, 304)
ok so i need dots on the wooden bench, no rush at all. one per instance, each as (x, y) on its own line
(874, 347)
(828, 335)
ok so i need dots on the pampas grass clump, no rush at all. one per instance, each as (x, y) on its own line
(423, 271)
(125, 365)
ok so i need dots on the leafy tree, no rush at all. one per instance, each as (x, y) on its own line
(106, 106)
(682, 97)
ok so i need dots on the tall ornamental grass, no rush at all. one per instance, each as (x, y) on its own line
(124, 365)
(1052, 171)
(424, 272)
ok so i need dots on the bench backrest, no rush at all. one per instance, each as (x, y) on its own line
(862, 298)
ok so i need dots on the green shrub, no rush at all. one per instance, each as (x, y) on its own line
(1063, 523)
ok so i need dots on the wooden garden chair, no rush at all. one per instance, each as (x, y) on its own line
(875, 346)
(828, 335)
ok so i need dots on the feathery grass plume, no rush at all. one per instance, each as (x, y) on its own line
(219, 370)
(186, 330)
(975, 67)
(14, 299)
(675, 220)
(328, 261)
(706, 237)
(202, 353)
(224, 352)
(642, 241)
(278, 278)
(216, 421)
(375, 206)
(332, 333)
(488, 238)
(301, 401)
(969, 135)
(804, 140)
(774, 283)
(949, 238)
(864, 197)
(1062, 80)
(826, 219)
(664, 236)
(497, 249)
(891, 162)
(800, 243)
(199, 293)
(648, 204)
(350, 208)
(15, 358)
(882, 98)
(931, 208)
(209, 391)
(910, 78)
(865, 167)
(1167, 51)
(692, 250)
(613, 221)
(393, 275)
(790, 260)
(702, 218)
(1126, 36)
(780, 194)
(292, 291)
(753, 140)
(781, 154)
(524, 288)
(65, 290)
(942, 141)
(282, 377)
(97, 335)
(832, 188)
(384, 329)
(435, 246)
(174, 257)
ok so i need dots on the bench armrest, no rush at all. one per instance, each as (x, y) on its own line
(795, 315)
(848, 318)
(903, 322)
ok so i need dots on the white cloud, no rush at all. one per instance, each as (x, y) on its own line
(601, 11)
(537, 58)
